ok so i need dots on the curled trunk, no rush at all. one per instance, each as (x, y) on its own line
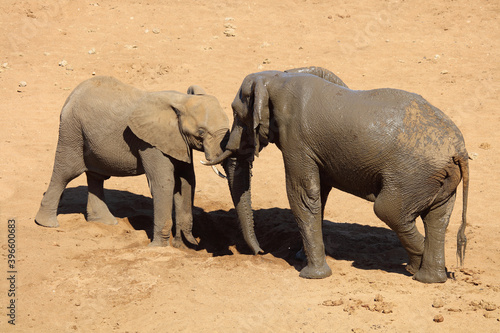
(238, 174)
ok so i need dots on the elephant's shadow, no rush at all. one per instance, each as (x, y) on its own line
(218, 231)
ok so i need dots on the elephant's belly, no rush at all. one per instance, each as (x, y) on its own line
(365, 186)
(113, 164)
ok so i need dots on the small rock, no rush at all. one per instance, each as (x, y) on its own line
(490, 315)
(444, 72)
(485, 146)
(130, 47)
(488, 306)
(230, 32)
(333, 303)
(473, 156)
(63, 63)
(438, 303)
(379, 298)
(22, 84)
(92, 51)
(156, 31)
(5, 65)
(454, 310)
(438, 318)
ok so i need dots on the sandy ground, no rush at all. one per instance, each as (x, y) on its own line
(87, 277)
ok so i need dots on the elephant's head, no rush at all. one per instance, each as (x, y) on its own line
(254, 127)
(176, 123)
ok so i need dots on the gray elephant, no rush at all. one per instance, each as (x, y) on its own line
(387, 146)
(108, 128)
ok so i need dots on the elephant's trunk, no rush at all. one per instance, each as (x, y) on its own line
(238, 173)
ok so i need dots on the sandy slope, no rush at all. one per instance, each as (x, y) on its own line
(87, 277)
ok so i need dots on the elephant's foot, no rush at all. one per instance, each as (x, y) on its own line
(314, 272)
(102, 215)
(158, 241)
(46, 219)
(180, 241)
(414, 263)
(109, 220)
(431, 275)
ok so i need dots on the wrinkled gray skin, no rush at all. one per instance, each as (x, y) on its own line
(109, 129)
(387, 146)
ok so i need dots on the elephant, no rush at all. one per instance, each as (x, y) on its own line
(108, 128)
(388, 146)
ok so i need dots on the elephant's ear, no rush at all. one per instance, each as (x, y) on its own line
(260, 115)
(155, 121)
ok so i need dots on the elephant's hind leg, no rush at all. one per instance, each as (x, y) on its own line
(68, 165)
(97, 210)
(390, 208)
(436, 221)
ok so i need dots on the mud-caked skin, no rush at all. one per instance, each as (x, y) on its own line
(387, 146)
(108, 128)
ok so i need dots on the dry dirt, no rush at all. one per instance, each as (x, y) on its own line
(87, 277)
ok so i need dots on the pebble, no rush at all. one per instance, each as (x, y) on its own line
(438, 318)
(92, 51)
(22, 84)
(63, 63)
(438, 303)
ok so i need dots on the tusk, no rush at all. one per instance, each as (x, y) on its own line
(218, 173)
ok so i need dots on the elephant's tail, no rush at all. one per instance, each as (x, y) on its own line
(463, 163)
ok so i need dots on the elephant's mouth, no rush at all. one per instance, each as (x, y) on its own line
(218, 159)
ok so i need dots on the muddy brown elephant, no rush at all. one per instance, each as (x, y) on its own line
(387, 146)
(108, 128)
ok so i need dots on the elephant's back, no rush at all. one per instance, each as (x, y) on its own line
(101, 96)
(99, 109)
(367, 135)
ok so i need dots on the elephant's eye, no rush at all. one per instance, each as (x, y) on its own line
(201, 132)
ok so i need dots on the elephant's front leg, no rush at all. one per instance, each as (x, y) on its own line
(304, 194)
(159, 170)
(183, 202)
